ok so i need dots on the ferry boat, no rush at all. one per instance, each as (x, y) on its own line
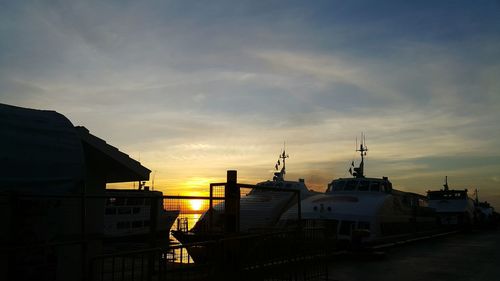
(260, 209)
(364, 208)
(485, 214)
(128, 213)
(453, 207)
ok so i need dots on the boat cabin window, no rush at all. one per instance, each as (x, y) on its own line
(119, 201)
(338, 185)
(386, 186)
(422, 203)
(350, 185)
(406, 201)
(135, 201)
(442, 195)
(115, 201)
(363, 185)
(375, 186)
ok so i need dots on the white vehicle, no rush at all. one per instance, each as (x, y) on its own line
(367, 206)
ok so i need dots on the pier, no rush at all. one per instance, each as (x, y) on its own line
(457, 257)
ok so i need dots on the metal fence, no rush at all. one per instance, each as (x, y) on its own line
(91, 256)
(269, 256)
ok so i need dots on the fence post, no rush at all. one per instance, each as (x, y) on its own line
(299, 210)
(13, 227)
(153, 221)
(232, 204)
(231, 247)
(83, 234)
(211, 209)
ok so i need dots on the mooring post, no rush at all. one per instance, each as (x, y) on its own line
(232, 204)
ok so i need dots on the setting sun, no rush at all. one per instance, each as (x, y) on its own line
(196, 204)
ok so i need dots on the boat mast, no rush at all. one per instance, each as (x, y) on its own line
(359, 171)
(281, 174)
(283, 156)
(446, 184)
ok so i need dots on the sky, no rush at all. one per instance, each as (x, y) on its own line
(194, 88)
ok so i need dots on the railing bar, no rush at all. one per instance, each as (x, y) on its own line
(192, 197)
(78, 196)
(44, 245)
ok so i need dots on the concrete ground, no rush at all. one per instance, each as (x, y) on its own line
(459, 257)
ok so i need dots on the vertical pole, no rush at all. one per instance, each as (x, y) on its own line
(299, 209)
(232, 203)
(13, 229)
(231, 226)
(84, 230)
(153, 221)
(211, 209)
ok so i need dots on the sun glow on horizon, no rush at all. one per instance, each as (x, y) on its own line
(196, 204)
(197, 182)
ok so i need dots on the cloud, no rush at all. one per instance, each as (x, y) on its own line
(197, 88)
